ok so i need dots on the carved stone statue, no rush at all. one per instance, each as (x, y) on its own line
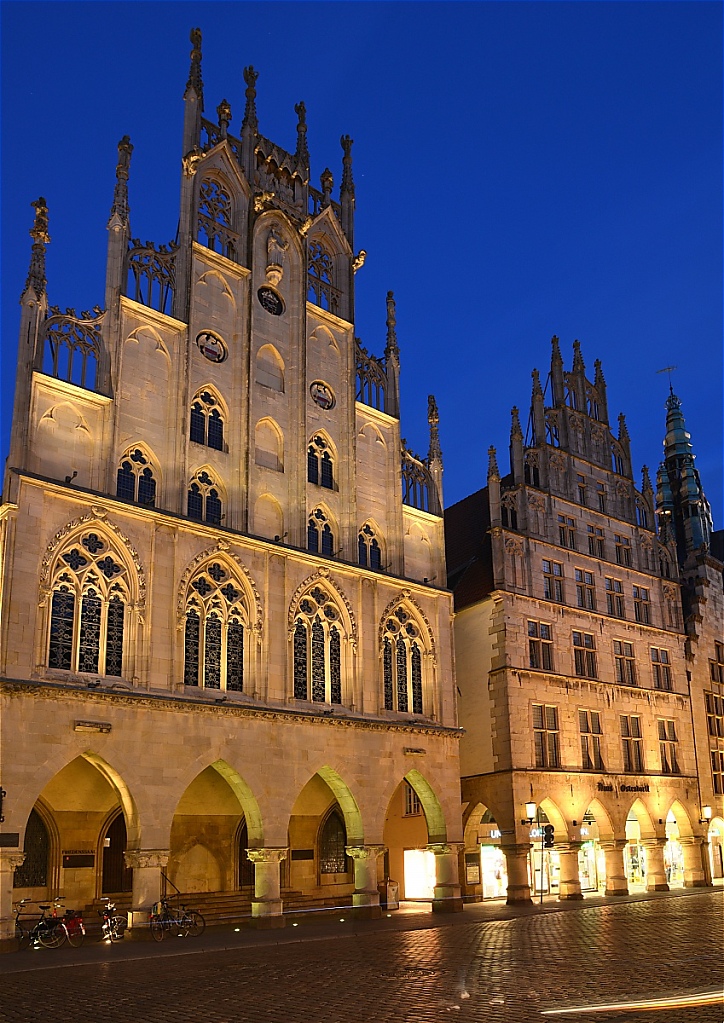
(276, 246)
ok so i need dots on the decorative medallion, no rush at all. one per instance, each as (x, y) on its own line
(270, 300)
(211, 346)
(322, 395)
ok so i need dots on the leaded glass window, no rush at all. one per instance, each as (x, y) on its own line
(318, 649)
(320, 465)
(207, 423)
(204, 499)
(146, 488)
(327, 540)
(126, 482)
(370, 553)
(135, 479)
(402, 663)
(332, 843)
(90, 632)
(216, 614)
(62, 615)
(33, 873)
(320, 538)
(114, 638)
(195, 502)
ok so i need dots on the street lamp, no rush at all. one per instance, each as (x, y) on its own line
(530, 813)
(706, 814)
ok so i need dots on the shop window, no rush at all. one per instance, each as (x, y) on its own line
(553, 581)
(614, 598)
(584, 655)
(413, 806)
(214, 630)
(317, 661)
(545, 735)
(632, 743)
(668, 747)
(589, 722)
(596, 543)
(33, 872)
(540, 646)
(660, 667)
(624, 662)
(332, 846)
(642, 606)
(585, 590)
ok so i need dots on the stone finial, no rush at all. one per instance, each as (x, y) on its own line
(515, 427)
(120, 207)
(251, 122)
(493, 470)
(556, 354)
(223, 112)
(578, 365)
(622, 428)
(302, 151)
(39, 233)
(599, 379)
(194, 81)
(645, 480)
(433, 417)
(347, 181)
(537, 389)
(391, 346)
(327, 182)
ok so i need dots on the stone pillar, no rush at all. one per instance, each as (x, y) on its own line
(516, 859)
(655, 868)
(616, 883)
(694, 876)
(9, 860)
(266, 906)
(570, 881)
(447, 897)
(366, 895)
(147, 865)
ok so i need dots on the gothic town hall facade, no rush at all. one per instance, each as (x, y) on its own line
(226, 644)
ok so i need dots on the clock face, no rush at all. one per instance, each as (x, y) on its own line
(211, 346)
(322, 395)
(269, 299)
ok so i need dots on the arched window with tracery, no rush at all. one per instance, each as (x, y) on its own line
(320, 463)
(135, 479)
(317, 656)
(402, 663)
(333, 845)
(320, 537)
(207, 421)
(216, 620)
(368, 548)
(416, 483)
(320, 274)
(88, 604)
(204, 499)
(72, 346)
(216, 218)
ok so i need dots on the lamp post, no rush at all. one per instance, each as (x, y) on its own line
(532, 815)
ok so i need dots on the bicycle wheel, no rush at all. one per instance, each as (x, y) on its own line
(22, 937)
(53, 936)
(116, 927)
(76, 933)
(158, 930)
(194, 923)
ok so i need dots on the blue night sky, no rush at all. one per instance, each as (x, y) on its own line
(522, 169)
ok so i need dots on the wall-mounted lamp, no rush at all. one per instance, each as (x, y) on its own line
(530, 809)
(706, 814)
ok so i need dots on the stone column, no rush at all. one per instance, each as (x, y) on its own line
(570, 881)
(447, 897)
(694, 876)
(366, 895)
(655, 868)
(148, 865)
(616, 883)
(516, 859)
(266, 906)
(9, 860)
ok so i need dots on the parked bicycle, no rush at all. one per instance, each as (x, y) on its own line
(114, 924)
(48, 931)
(75, 927)
(183, 922)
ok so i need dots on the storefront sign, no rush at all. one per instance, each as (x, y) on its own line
(634, 788)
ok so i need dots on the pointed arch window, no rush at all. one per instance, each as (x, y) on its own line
(207, 421)
(320, 465)
(204, 499)
(135, 480)
(87, 624)
(320, 274)
(33, 872)
(402, 664)
(320, 538)
(215, 627)
(333, 845)
(317, 655)
(368, 548)
(215, 219)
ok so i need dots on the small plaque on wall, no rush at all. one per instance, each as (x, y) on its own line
(79, 859)
(10, 839)
(302, 854)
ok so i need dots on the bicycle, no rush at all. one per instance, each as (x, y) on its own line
(185, 922)
(113, 924)
(48, 931)
(75, 927)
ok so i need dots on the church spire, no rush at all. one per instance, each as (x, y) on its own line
(347, 190)
(493, 470)
(392, 361)
(194, 83)
(250, 122)
(120, 207)
(434, 456)
(39, 233)
(193, 98)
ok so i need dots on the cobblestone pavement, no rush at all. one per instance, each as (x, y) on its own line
(466, 969)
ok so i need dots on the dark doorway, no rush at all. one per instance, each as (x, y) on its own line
(246, 867)
(117, 877)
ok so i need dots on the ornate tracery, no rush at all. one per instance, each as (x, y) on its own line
(215, 629)
(403, 649)
(317, 636)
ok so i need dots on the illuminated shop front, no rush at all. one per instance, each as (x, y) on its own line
(634, 856)
(493, 865)
(591, 857)
(419, 874)
(673, 854)
(716, 848)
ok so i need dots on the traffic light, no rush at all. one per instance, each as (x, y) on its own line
(548, 836)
